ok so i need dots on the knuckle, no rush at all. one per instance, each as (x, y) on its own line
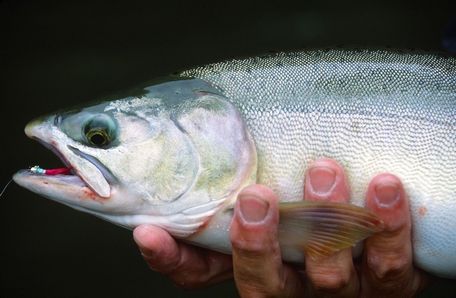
(388, 267)
(329, 280)
(276, 287)
(169, 267)
(249, 246)
(275, 290)
(261, 288)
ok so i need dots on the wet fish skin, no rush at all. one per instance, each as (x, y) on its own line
(372, 111)
(263, 120)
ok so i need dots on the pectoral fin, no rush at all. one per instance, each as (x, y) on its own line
(322, 228)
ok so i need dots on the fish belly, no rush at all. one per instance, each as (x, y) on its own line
(373, 112)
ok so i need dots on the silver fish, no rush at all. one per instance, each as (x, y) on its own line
(176, 154)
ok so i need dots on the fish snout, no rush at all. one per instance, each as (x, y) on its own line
(37, 127)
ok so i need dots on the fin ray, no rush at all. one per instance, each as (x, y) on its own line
(322, 228)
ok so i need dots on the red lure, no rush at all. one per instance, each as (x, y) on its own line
(50, 172)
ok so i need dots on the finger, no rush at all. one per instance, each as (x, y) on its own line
(186, 265)
(387, 262)
(257, 261)
(334, 275)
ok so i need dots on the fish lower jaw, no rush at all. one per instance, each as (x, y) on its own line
(63, 188)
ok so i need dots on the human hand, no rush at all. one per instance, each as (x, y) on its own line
(386, 268)
(186, 265)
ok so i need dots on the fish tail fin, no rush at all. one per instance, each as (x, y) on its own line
(322, 228)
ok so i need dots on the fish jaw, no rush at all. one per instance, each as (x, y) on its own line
(45, 132)
(67, 189)
(117, 205)
(84, 187)
(72, 191)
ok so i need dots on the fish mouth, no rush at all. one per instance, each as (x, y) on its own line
(82, 175)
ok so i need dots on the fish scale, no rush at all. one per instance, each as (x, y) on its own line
(373, 111)
(176, 154)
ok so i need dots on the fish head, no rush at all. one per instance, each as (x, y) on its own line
(170, 156)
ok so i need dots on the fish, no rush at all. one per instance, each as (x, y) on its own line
(176, 152)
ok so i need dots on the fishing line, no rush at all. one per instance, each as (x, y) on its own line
(39, 170)
(1, 193)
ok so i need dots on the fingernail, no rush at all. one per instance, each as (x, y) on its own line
(387, 194)
(322, 179)
(140, 232)
(253, 209)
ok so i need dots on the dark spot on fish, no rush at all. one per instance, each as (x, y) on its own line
(422, 211)
(88, 193)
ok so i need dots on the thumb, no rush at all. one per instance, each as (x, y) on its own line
(257, 261)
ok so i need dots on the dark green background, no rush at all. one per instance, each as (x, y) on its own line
(58, 54)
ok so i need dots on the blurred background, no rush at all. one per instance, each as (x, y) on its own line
(56, 54)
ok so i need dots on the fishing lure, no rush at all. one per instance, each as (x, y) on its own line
(49, 172)
(41, 171)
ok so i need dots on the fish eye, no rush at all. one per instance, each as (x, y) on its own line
(99, 131)
(98, 138)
